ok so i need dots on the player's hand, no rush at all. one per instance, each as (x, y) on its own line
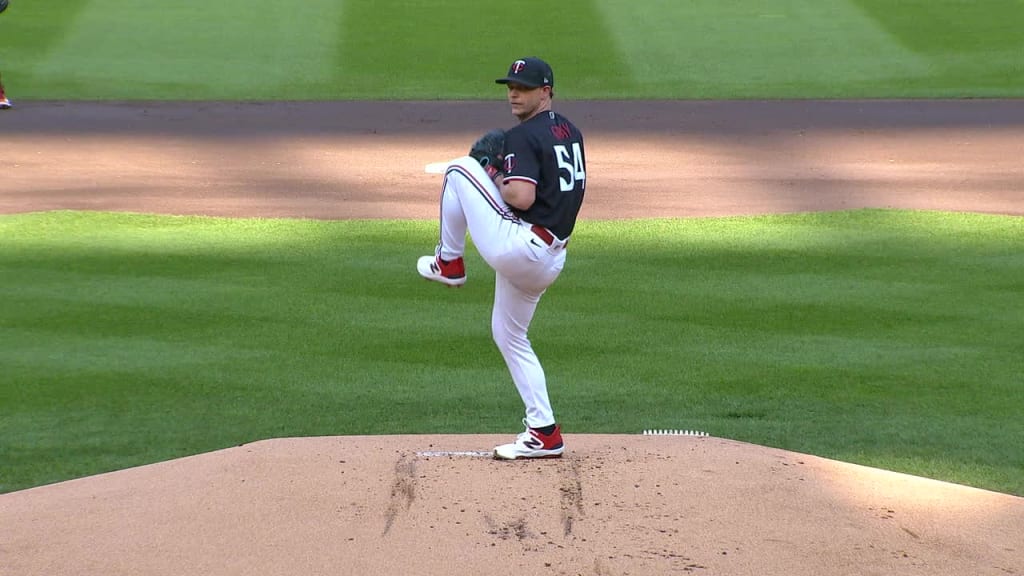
(497, 175)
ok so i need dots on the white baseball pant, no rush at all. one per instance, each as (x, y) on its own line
(524, 267)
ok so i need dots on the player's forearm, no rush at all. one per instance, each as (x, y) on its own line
(518, 194)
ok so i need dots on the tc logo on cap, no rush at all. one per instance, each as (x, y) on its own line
(531, 72)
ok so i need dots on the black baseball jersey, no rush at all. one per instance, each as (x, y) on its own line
(547, 150)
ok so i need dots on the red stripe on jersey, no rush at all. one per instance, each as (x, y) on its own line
(521, 179)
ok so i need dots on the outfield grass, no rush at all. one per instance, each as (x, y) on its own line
(452, 49)
(885, 338)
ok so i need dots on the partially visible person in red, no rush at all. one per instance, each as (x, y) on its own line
(4, 102)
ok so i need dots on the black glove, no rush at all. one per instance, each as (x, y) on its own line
(489, 150)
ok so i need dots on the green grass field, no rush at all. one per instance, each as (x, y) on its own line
(879, 337)
(884, 338)
(445, 49)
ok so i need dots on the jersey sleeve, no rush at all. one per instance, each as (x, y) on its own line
(522, 160)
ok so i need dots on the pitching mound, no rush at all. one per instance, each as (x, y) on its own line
(638, 505)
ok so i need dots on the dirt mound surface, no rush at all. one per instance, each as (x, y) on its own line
(640, 505)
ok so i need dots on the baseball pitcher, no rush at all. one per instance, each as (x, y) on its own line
(517, 193)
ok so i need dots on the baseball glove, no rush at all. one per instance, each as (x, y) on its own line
(488, 150)
(3, 5)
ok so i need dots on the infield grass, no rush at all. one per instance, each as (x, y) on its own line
(453, 49)
(884, 338)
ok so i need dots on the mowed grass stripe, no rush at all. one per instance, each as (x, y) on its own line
(778, 49)
(881, 337)
(454, 48)
(966, 43)
(194, 50)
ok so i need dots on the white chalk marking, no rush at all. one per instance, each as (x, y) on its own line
(452, 453)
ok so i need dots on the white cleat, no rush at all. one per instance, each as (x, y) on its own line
(449, 273)
(532, 444)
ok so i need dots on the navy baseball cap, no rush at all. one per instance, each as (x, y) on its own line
(531, 71)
